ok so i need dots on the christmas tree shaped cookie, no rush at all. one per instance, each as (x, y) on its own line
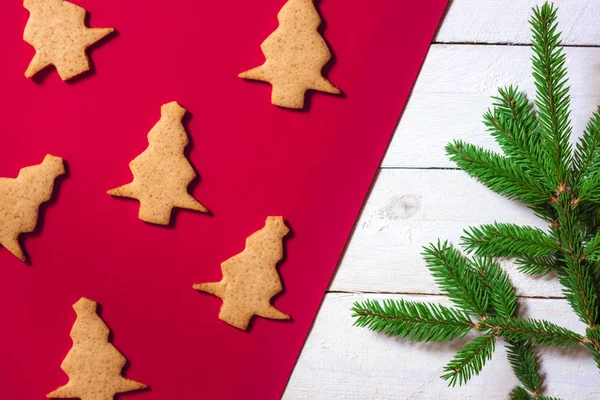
(57, 31)
(295, 56)
(250, 278)
(20, 200)
(162, 173)
(93, 364)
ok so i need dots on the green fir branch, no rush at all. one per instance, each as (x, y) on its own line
(586, 159)
(592, 342)
(470, 360)
(513, 124)
(455, 276)
(519, 393)
(588, 191)
(501, 292)
(592, 248)
(537, 266)
(509, 240)
(500, 174)
(552, 93)
(580, 291)
(531, 331)
(524, 362)
(419, 322)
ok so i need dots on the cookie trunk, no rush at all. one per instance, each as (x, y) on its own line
(155, 212)
(288, 96)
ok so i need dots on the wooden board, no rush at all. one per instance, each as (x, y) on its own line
(454, 90)
(503, 21)
(409, 209)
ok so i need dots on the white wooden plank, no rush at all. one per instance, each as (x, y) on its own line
(343, 362)
(454, 89)
(493, 21)
(409, 209)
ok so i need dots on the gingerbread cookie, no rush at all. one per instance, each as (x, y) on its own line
(20, 201)
(57, 31)
(250, 278)
(295, 56)
(162, 173)
(93, 364)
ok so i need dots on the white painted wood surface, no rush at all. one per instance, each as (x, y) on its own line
(417, 199)
(507, 21)
(342, 362)
(454, 90)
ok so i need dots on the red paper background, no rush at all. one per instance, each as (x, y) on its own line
(255, 160)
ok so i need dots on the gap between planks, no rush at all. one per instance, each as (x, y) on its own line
(511, 44)
(429, 294)
(420, 168)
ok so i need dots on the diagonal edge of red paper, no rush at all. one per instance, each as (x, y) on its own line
(313, 167)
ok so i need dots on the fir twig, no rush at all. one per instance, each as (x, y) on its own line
(552, 93)
(501, 292)
(470, 359)
(525, 365)
(580, 291)
(592, 342)
(592, 249)
(500, 174)
(513, 124)
(518, 393)
(419, 322)
(586, 160)
(454, 274)
(509, 240)
(532, 331)
(537, 265)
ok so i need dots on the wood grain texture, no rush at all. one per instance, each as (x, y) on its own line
(417, 199)
(340, 361)
(409, 209)
(454, 90)
(505, 21)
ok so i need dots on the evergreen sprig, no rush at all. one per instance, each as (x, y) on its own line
(519, 393)
(470, 359)
(552, 94)
(500, 174)
(473, 284)
(537, 266)
(511, 122)
(586, 159)
(419, 322)
(450, 270)
(509, 240)
(524, 362)
(592, 249)
(539, 167)
(532, 331)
